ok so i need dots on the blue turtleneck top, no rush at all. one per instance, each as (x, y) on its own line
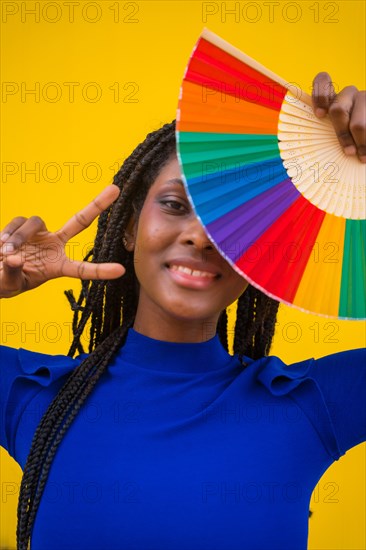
(181, 447)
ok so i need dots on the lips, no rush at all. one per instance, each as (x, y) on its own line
(194, 268)
(192, 274)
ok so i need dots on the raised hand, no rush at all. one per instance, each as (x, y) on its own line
(347, 112)
(30, 254)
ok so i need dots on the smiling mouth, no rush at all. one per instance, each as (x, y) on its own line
(193, 272)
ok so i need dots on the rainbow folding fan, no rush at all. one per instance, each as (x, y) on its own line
(270, 183)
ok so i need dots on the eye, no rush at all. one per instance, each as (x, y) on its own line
(174, 205)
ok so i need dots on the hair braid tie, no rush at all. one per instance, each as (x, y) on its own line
(71, 298)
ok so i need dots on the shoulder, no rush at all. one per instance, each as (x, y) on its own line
(39, 367)
(280, 377)
(330, 390)
(23, 374)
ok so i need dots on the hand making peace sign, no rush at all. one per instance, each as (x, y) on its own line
(30, 254)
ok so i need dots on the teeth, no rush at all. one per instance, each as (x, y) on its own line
(194, 273)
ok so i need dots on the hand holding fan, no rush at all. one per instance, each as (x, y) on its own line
(270, 182)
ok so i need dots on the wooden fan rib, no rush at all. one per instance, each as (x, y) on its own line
(308, 138)
(300, 130)
(298, 108)
(306, 145)
(340, 204)
(286, 118)
(292, 153)
(311, 190)
(348, 200)
(327, 189)
(289, 124)
(294, 110)
(307, 164)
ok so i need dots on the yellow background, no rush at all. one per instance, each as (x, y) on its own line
(140, 49)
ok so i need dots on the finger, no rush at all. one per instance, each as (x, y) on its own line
(14, 261)
(12, 277)
(23, 234)
(11, 227)
(340, 113)
(323, 93)
(358, 124)
(87, 215)
(90, 271)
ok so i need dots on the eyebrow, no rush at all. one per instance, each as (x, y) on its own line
(174, 180)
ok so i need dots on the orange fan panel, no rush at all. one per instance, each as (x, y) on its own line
(217, 112)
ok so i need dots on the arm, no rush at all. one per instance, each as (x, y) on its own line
(23, 374)
(341, 378)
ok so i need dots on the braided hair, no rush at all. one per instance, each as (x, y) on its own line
(109, 306)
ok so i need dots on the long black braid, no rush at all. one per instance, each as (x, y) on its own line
(110, 307)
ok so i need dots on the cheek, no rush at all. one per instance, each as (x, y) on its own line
(238, 285)
(151, 245)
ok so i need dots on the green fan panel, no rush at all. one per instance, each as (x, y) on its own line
(353, 297)
(229, 150)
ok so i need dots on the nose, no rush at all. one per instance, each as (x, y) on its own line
(193, 234)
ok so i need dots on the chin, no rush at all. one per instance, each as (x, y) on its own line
(182, 313)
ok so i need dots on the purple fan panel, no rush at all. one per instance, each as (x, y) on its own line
(239, 229)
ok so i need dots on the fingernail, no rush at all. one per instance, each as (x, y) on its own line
(320, 112)
(4, 237)
(8, 248)
(350, 150)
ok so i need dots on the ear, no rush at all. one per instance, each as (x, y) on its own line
(130, 234)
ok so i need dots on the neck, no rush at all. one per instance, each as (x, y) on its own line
(181, 330)
(187, 358)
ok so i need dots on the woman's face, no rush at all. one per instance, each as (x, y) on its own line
(184, 282)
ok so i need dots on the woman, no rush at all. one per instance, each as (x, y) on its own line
(158, 438)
